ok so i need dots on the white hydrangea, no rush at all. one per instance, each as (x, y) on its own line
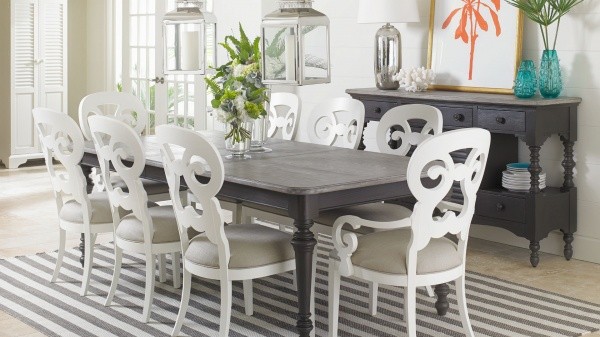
(238, 70)
(415, 79)
(240, 103)
(221, 115)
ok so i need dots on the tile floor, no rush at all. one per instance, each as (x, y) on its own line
(28, 226)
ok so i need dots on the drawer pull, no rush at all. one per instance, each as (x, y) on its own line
(501, 120)
(377, 110)
(459, 117)
(499, 207)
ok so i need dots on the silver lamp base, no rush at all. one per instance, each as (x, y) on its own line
(388, 57)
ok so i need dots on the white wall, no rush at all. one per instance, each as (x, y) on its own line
(579, 51)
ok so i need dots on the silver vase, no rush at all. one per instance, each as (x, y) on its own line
(388, 57)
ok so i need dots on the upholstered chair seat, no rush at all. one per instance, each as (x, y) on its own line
(385, 252)
(165, 226)
(100, 211)
(251, 245)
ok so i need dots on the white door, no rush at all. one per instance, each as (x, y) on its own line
(53, 54)
(24, 73)
(172, 99)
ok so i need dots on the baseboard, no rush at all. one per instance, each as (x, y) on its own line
(16, 160)
(584, 248)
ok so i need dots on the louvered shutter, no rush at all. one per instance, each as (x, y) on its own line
(24, 75)
(53, 54)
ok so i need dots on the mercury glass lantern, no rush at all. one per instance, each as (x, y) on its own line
(295, 45)
(189, 38)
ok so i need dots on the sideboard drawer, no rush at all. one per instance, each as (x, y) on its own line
(508, 121)
(376, 109)
(500, 206)
(457, 116)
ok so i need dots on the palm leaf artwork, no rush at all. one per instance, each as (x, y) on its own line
(545, 13)
(471, 21)
(276, 48)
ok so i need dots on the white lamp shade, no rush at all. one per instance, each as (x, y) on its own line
(388, 11)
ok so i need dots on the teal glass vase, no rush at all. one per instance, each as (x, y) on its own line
(526, 81)
(550, 77)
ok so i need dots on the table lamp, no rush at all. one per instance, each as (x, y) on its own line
(388, 50)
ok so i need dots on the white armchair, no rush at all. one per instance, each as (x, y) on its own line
(413, 252)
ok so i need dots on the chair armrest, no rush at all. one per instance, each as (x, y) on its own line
(346, 243)
(445, 206)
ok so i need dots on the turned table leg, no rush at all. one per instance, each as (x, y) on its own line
(87, 171)
(568, 239)
(442, 305)
(568, 164)
(534, 258)
(304, 243)
(534, 168)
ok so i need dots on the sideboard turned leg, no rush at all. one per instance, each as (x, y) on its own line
(534, 168)
(568, 239)
(534, 258)
(568, 163)
(442, 305)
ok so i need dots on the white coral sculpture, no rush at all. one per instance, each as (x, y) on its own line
(415, 79)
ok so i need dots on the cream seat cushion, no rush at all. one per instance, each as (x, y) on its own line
(380, 212)
(72, 211)
(165, 226)
(386, 252)
(251, 246)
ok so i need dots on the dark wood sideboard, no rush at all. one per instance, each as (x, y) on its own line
(530, 215)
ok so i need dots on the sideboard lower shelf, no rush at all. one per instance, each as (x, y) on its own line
(531, 215)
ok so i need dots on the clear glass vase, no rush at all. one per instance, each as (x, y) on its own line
(526, 81)
(259, 135)
(238, 149)
(550, 77)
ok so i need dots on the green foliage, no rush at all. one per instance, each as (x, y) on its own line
(545, 13)
(237, 85)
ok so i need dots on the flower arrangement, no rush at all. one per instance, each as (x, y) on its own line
(239, 93)
(415, 79)
(545, 13)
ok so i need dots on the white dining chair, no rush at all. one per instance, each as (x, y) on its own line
(334, 122)
(399, 130)
(225, 253)
(127, 108)
(284, 112)
(78, 211)
(147, 230)
(337, 122)
(414, 252)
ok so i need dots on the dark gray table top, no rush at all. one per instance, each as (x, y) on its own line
(299, 168)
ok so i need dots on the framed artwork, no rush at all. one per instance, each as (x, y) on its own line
(474, 45)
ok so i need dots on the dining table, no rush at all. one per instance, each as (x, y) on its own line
(299, 180)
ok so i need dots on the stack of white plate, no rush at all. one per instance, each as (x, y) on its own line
(517, 178)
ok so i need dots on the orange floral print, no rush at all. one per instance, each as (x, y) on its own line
(470, 20)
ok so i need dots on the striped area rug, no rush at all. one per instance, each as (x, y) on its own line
(497, 308)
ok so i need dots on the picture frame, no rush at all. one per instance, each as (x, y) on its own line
(487, 63)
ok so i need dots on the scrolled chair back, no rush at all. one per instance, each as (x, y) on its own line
(191, 158)
(120, 147)
(288, 123)
(120, 105)
(395, 126)
(433, 157)
(61, 139)
(337, 122)
(430, 165)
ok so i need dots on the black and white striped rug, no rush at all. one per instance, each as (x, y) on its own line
(497, 308)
